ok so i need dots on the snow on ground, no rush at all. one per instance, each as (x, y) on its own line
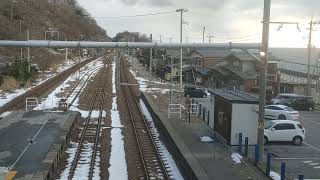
(71, 152)
(206, 139)
(143, 84)
(96, 169)
(5, 114)
(236, 158)
(83, 166)
(7, 97)
(51, 101)
(165, 154)
(118, 165)
(274, 175)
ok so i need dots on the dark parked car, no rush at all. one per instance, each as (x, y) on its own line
(194, 92)
(298, 102)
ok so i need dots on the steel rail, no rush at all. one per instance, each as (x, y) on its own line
(136, 135)
(86, 44)
(41, 89)
(162, 166)
(76, 85)
(78, 93)
(97, 135)
(87, 122)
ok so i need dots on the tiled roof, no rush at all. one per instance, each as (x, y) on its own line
(214, 53)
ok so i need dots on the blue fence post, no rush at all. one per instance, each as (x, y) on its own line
(300, 177)
(240, 143)
(197, 110)
(200, 109)
(208, 118)
(246, 146)
(256, 154)
(204, 114)
(268, 167)
(283, 171)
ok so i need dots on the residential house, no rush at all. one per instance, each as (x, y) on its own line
(162, 65)
(239, 70)
(205, 58)
(200, 61)
(296, 82)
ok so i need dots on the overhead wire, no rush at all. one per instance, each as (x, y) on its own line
(133, 16)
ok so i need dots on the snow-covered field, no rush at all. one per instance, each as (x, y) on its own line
(7, 97)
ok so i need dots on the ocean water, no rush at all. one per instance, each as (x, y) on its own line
(297, 55)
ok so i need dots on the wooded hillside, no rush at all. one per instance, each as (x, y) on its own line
(51, 19)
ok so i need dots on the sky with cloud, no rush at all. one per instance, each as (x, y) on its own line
(225, 20)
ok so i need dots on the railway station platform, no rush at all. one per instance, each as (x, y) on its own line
(196, 158)
(46, 133)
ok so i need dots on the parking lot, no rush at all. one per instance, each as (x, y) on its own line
(304, 159)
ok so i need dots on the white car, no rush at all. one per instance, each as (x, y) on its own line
(281, 112)
(284, 130)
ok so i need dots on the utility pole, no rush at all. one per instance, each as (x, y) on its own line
(203, 32)
(150, 64)
(171, 77)
(20, 26)
(132, 60)
(181, 23)
(263, 76)
(12, 7)
(28, 51)
(66, 52)
(20, 31)
(309, 59)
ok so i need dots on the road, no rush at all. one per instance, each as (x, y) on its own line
(304, 159)
(311, 121)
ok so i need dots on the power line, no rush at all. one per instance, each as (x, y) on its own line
(133, 16)
(239, 38)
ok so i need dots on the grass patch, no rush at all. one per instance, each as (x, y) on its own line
(9, 84)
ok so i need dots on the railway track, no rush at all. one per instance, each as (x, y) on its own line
(91, 128)
(150, 165)
(78, 87)
(38, 91)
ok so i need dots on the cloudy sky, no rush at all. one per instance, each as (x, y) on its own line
(225, 20)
